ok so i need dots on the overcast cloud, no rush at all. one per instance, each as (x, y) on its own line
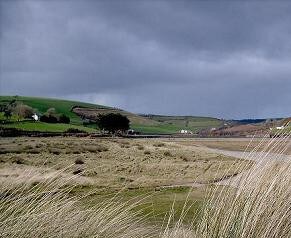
(229, 59)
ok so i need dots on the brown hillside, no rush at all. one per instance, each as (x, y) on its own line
(242, 130)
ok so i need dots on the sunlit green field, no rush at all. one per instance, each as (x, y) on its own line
(46, 127)
(43, 104)
(152, 125)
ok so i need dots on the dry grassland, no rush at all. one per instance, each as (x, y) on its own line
(129, 169)
(236, 144)
(116, 162)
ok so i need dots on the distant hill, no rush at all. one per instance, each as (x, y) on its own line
(249, 121)
(254, 121)
(80, 112)
(192, 123)
(92, 114)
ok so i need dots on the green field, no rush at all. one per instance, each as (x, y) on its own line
(46, 127)
(173, 124)
(153, 124)
(161, 128)
(153, 203)
(43, 104)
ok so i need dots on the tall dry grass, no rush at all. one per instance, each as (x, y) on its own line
(44, 209)
(256, 203)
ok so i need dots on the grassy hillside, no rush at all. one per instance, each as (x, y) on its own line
(155, 124)
(173, 124)
(46, 127)
(93, 113)
(61, 106)
(42, 105)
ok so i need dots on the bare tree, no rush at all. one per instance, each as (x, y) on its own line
(23, 111)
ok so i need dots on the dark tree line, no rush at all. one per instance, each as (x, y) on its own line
(52, 117)
(113, 123)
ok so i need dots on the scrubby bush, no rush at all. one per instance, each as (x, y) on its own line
(51, 111)
(140, 147)
(159, 144)
(79, 161)
(55, 151)
(7, 113)
(74, 130)
(167, 153)
(77, 171)
(64, 119)
(23, 111)
(51, 116)
(48, 118)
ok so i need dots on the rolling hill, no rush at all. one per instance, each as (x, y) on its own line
(173, 124)
(80, 111)
(43, 104)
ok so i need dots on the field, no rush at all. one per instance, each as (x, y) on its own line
(236, 144)
(144, 124)
(43, 104)
(159, 170)
(116, 183)
(46, 127)
(191, 123)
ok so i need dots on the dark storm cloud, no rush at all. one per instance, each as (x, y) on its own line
(219, 58)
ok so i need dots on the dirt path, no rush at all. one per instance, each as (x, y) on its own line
(254, 156)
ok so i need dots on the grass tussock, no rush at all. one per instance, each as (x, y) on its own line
(45, 209)
(255, 203)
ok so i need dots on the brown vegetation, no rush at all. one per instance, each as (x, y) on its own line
(145, 163)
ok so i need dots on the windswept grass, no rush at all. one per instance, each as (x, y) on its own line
(44, 209)
(255, 204)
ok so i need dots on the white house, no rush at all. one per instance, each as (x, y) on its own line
(185, 132)
(280, 127)
(35, 117)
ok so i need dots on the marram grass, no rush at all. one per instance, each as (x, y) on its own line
(46, 210)
(256, 203)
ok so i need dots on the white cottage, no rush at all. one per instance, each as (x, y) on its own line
(35, 117)
(186, 132)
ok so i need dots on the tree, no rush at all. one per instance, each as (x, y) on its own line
(64, 119)
(7, 113)
(51, 111)
(48, 118)
(51, 116)
(113, 122)
(23, 111)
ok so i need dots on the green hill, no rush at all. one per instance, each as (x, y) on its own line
(173, 124)
(43, 104)
(155, 124)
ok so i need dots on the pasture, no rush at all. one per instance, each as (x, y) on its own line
(152, 124)
(47, 127)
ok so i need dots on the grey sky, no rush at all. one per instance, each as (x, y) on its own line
(229, 59)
